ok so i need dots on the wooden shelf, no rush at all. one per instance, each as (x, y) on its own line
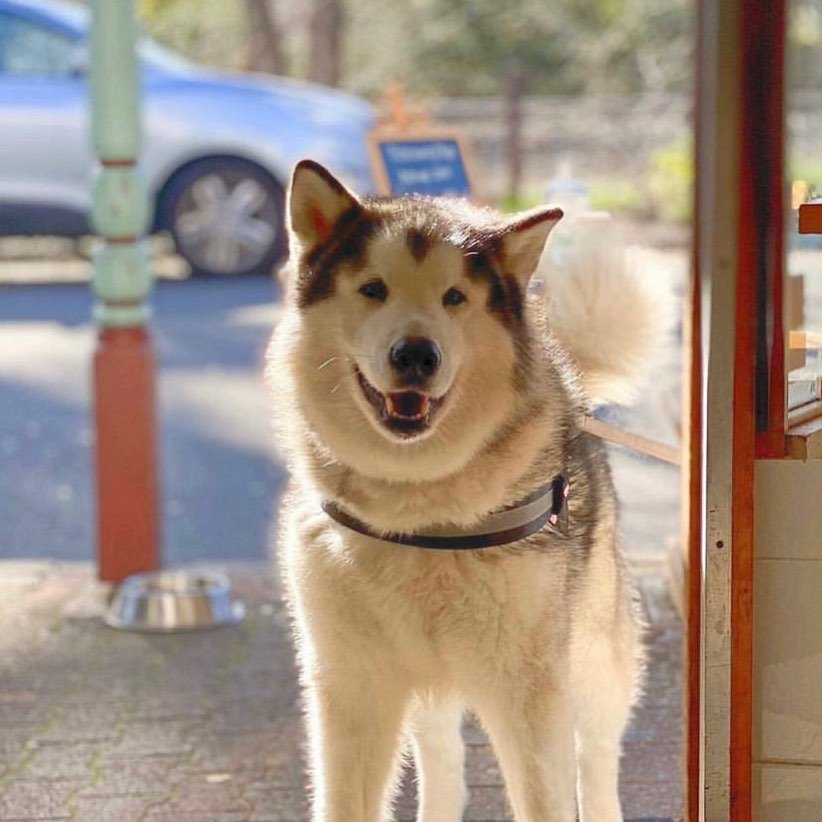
(804, 440)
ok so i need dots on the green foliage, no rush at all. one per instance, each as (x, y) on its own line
(522, 202)
(808, 169)
(206, 31)
(377, 51)
(617, 197)
(456, 47)
(804, 56)
(465, 46)
(566, 46)
(670, 180)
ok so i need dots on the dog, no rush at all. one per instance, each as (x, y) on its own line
(449, 537)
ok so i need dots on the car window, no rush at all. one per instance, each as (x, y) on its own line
(33, 50)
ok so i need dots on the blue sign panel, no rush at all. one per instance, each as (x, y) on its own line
(425, 166)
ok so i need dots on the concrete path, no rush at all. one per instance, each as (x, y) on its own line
(98, 725)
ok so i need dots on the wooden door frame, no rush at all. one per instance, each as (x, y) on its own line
(737, 368)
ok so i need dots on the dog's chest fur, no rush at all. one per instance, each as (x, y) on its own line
(437, 612)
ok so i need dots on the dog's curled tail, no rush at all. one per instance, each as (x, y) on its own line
(612, 316)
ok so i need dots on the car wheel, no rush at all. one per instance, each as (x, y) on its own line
(225, 216)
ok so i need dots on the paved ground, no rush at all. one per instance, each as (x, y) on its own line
(99, 725)
(215, 445)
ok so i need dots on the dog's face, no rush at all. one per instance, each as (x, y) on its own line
(411, 323)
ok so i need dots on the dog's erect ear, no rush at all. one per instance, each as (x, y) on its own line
(524, 238)
(316, 199)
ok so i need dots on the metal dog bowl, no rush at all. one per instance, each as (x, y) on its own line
(166, 601)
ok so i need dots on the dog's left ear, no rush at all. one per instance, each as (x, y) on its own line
(523, 239)
(316, 200)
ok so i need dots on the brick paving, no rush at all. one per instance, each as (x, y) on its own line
(99, 725)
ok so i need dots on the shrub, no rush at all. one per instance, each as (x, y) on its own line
(808, 169)
(617, 197)
(670, 180)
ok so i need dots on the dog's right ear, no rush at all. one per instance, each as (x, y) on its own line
(316, 200)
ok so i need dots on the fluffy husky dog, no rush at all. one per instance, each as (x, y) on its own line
(418, 385)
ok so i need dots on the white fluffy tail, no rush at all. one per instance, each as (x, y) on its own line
(611, 316)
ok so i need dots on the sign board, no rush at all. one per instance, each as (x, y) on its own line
(419, 162)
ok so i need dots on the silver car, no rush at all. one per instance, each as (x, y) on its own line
(217, 150)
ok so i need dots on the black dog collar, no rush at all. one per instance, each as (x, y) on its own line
(545, 506)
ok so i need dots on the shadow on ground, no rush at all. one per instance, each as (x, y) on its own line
(218, 469)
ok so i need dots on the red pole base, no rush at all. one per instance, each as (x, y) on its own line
(127, 522)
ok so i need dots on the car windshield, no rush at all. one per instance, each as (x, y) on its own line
(35, 47)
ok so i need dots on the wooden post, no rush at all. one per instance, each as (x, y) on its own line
(127, 538)
(716, 218)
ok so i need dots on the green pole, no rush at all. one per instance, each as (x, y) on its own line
(127, 538)
(120, 211)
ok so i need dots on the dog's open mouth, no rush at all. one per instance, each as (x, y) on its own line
(405, 413)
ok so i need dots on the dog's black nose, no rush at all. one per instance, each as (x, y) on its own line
(415, 359)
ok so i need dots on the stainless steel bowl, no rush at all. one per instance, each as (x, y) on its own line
(167, 601)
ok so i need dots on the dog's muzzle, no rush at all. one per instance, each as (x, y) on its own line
(406, 413)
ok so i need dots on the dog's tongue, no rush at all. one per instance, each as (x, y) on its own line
(406, 404)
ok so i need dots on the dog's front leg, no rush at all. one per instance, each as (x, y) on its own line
(531, 730)
(355, 719)
(440, 756)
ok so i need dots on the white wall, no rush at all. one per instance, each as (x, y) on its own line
(788, 641)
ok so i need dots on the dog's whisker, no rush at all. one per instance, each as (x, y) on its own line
(327, 363)
(335, 388)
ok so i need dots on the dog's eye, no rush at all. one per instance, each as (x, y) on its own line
(375, 290)
(453, 297)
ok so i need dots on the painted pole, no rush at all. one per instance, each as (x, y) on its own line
(126, 465)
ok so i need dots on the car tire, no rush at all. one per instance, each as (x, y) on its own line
(225, 216)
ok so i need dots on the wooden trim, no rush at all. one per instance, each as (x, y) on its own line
(804, 442)
(692, 532)
(810, 218)
(763, 203)
(794, 319)
(758, 298)
(742, 536)
(775, 25)
(377, 165)
(693, 458)
(744, 426)
(804, 340)
(717, 168)
(770, 445)
(803, 414)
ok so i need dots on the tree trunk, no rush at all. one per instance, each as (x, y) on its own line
(265, 51)
(325, 42)
(513, 93)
